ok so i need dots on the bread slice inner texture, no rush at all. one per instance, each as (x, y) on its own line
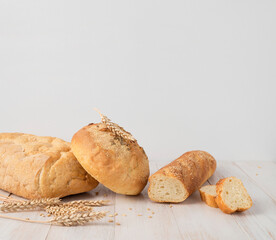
(235, 195)
(209, 189)
(167, 189)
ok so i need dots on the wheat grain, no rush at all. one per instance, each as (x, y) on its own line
(14, 206)
(115, 128)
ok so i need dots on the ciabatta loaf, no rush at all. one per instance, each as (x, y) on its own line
(179, 179)
(117, 162)
(232, 195)
(40, 167)
(208, 195)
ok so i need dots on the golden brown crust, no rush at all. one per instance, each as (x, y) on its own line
(192, 169)
(120, 165)
(38, 167)
(209, 199)
(223, 207)
(221, 203)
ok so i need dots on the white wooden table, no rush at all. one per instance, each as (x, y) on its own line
(191, 219)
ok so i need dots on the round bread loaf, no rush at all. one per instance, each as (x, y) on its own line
(118, 163)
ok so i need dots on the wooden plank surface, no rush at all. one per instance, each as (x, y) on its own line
(260, 220)
(198, 221)
(98, 230)
(138, 224)
(263, 174)
(11, 229)
(191, 219)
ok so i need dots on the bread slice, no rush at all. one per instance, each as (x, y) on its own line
(232, 195)
(180, 178)
(208, 195)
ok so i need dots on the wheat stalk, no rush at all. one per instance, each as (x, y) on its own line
(8, 198)
(66, 210)
(115, 128)
(67, 220)
(14, 206)
(2, 195)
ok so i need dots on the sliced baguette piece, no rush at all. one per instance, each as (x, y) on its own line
(232, 195)
(208, 195)
(180, 178)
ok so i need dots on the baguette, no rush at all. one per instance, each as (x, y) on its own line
(40, 167)
(180, 178)
(232, 195)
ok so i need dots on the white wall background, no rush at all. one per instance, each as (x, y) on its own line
(179, 75)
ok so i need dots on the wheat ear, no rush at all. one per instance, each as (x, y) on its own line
(14, 206)
(77, 218)
(115, 128)
(66, 210)
(85, 203)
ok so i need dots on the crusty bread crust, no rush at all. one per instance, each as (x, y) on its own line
(223, 207)
(192, 169)
(221, 203)
(119, 164)
(40, 167)
(209, 199)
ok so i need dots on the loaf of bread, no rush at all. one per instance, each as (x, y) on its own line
(40, 167)
(208, 195)
(112, 157)
(179, 179)
(232, 195)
